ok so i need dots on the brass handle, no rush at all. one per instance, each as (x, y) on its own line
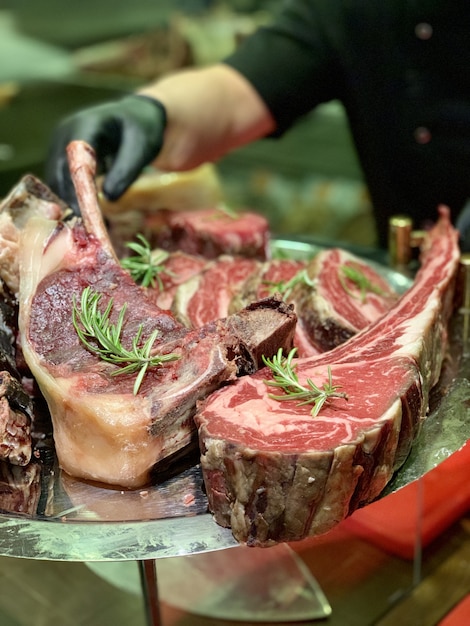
(399, 240)
(403, 242)
(463, 290)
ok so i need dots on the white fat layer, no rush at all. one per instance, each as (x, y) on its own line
(34, 264)
(183, 296)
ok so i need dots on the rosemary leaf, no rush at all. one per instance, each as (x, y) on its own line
(285, 287)
(227, 210)
(147, 265)
(285, 378)
(224, 210)
(103, 338)
(358, 278)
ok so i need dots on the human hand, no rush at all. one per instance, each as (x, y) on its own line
(126, 135)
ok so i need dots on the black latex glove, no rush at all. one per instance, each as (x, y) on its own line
(126, 135)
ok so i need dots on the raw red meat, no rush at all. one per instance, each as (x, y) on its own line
(102, 431)
(275, 275)
(29, 197)
(330, 307)
(273, 472)
(211, 232)
(208, 296)
(179, 267)
(347, 295)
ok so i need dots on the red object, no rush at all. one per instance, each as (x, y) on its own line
(210, 232)
(442, 496)
(459, 616)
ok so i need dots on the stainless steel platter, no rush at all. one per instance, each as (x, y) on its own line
(76, 521)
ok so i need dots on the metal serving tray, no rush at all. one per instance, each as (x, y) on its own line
(78, 521)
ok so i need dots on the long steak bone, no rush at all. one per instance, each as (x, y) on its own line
(102, 431)
(275, 473)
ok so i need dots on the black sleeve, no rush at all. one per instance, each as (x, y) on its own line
(292, 63)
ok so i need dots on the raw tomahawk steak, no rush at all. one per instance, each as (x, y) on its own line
(102, 430)
(273, 472)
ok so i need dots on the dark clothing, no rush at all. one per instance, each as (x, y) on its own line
(401, 68)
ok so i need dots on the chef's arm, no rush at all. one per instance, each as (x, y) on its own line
(179, 122)
(210, 111)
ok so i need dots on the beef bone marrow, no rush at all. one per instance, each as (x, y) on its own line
(275, 473)
(102, 431)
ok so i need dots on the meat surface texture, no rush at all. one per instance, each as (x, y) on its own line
(178, 268)
(15, 421)
(29, 197)
(102, 430)
(211, 232)
(273, 472)
(208, 296)
(344, 295)
(20, 488)
(276, 276)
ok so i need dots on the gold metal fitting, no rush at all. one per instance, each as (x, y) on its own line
(400, 240)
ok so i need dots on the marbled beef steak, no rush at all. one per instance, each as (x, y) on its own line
(273, 472)
(102, 430)
(211, 232)
(347, 295)
(207, 295)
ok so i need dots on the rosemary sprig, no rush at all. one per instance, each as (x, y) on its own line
(285, 378)
(220, 211)
(226, 210)
(103, 338)
(147, 264)
(285, 287)
(357, 277)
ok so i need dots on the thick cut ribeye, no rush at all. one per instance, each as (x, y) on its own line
(102, 431)
(273, 472)
(211, 232)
